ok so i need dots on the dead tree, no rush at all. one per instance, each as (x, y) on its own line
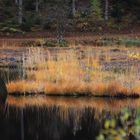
(20, 11)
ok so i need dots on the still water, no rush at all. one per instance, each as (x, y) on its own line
(61, 118)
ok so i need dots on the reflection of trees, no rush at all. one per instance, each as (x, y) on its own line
(22, 124)
(52, 123)
(58, 123)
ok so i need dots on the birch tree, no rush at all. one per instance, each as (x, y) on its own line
(106, 10)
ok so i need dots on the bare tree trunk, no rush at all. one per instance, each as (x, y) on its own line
(73, 8)
(16, 2)
(106, 10)
(20, 12)
(37, 6)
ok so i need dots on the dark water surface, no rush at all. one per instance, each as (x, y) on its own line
(59, 118)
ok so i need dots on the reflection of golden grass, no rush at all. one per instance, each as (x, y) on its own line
(67, 107)
(99, 104)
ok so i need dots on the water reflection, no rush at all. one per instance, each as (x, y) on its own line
(99, 104)
(59, 118)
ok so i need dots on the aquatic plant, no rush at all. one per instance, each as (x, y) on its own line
(69, 73)
(125, 127)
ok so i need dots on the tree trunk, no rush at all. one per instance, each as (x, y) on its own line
(37, 6)
(106, 10)
(20, 12)
(73, 8)
(16, 2)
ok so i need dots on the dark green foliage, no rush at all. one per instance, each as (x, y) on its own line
(49, 23)
(26, 26)
(53, 14)
(118, 41)
(110, 41)
(125, 10)
(96, 9)
(62, 43)
(56, 43)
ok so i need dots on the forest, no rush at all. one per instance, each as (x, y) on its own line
(18, 16)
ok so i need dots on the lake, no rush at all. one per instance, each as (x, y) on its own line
(27, 114)
(61, 118)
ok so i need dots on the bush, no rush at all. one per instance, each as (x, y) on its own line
(26, 27)
(9, 27)
(29, 21)
(62, 43)
(10, 30)
(56, 43)
(49, 24)
(50, 43)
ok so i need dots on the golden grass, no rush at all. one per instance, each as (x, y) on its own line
(75, 88)
(115, 88)
(23, 87)
(98, 88)
(136, 89)
(68, 74)
(67, 88)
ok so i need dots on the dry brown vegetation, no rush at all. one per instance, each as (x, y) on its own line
(74, 73)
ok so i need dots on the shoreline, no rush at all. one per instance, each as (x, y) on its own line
(74, 95)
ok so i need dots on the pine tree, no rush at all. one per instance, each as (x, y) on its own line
(96, 9)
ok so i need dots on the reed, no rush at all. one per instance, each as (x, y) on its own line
(69, 73)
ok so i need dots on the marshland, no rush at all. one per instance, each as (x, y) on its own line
(77, 70)
(69, 70)
(90, 91)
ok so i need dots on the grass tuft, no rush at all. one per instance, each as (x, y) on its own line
(69, 73)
